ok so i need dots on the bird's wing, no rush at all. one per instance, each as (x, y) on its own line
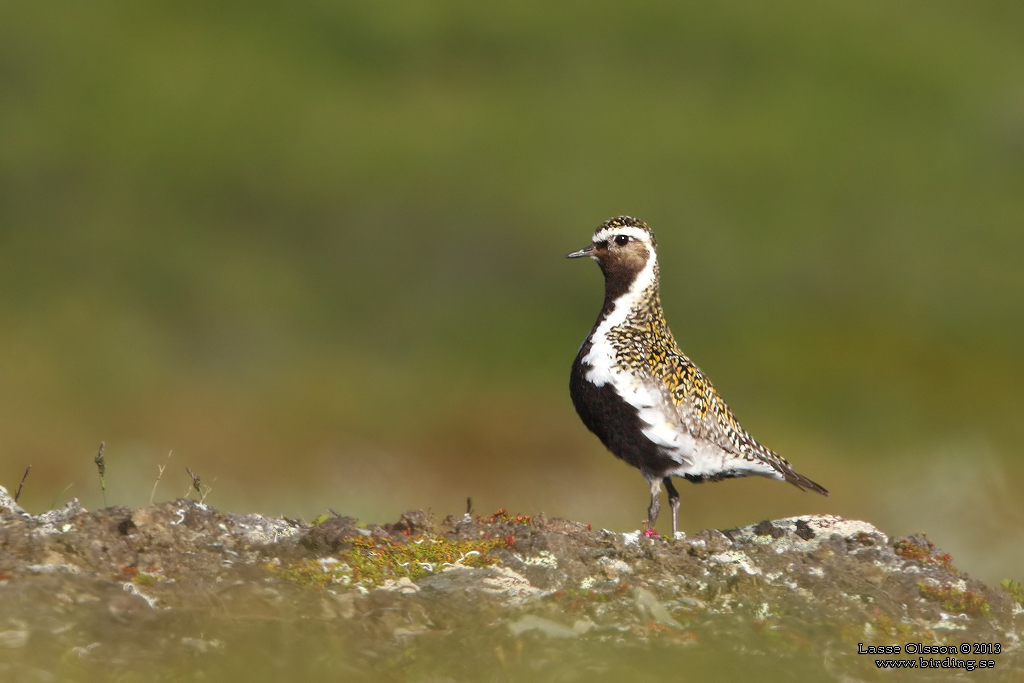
(703, 413)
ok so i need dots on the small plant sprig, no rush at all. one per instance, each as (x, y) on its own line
(503, 516)
(159, 474)
(23, 478)
(101, 466)
(63, 491)
(197, 486)
(953, 598)
(1015, 589)
(910, 549)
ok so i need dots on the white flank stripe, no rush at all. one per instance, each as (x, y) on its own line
(602, 356)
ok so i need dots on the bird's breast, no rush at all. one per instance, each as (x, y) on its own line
(657, 420)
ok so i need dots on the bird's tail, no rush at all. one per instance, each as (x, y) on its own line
(800, 481)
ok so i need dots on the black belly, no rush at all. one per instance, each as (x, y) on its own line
(616, 423)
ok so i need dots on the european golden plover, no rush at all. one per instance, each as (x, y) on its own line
(646, 401)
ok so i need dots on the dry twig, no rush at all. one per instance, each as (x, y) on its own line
(23, 477)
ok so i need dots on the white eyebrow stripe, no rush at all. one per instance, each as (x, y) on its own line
(635, 233)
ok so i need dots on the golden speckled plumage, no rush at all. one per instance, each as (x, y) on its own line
(644, 345)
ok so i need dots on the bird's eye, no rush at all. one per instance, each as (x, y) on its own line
(621, 240)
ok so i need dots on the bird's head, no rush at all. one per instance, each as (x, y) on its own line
(623, 247)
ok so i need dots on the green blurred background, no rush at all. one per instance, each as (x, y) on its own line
(316, 250)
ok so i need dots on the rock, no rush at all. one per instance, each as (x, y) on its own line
(13, 639)
(330, 535)
(56, 521)
(766, 528)
(549, 628)
(8, 508)
(128, 588)
(412, 522)
(402, 585)
(200, 646)
(648, 604)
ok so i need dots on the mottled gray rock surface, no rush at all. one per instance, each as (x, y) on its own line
(179, 589)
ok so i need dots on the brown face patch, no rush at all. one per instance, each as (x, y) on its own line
(620, 265)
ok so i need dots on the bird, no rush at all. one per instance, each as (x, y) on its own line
(642, 397)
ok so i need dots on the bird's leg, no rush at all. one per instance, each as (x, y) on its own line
(673, 502)
(655, 507)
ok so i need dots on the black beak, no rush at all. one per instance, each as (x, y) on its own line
(585, 251)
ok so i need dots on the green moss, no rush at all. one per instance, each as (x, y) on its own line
(895, 631)
(884, 628)
(1015, 589)
(956, 600)
(312, 573)
(373, 561)
(144, 579)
